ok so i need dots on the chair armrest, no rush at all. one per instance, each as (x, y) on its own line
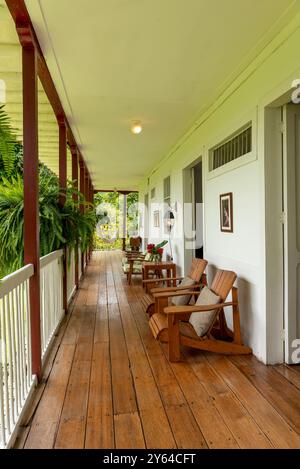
(133, 259)
(174, 289)
(169, 294)
(163, 279)
(195, 308)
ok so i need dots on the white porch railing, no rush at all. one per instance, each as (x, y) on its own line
(16, 380)
(71, 285)
(79, 264)
(51, 296)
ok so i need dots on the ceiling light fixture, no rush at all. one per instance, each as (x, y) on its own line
(136, 127)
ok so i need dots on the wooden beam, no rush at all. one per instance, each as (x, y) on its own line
(74, 153)
(31, 189)
(86, 195)
(62, 198)
(82, 183)
(62, 159)
(114, 190)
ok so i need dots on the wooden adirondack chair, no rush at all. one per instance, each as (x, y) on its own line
(133, 265)
(218, 338)
(196, 273)
(135, 244)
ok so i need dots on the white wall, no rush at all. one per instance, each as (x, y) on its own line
(269, 76)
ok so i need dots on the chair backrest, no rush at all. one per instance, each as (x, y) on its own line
(135, 243)
(197, 269)
(223, 282)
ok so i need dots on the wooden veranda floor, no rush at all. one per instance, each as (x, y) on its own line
(108, 383)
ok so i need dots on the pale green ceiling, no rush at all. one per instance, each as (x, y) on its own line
(160, 61)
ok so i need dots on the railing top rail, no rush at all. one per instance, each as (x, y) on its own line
(51, 257)
(11, 281)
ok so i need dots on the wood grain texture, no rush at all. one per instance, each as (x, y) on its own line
(109, 384)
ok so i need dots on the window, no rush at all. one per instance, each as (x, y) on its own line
(167, 190)
(237, 145)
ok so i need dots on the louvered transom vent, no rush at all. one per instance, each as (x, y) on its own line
(167, 188)
(236, 146)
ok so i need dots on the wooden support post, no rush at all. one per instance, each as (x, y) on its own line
(82, 181)
(174, 339)
(31, 188)
(75, 198)
(237, 337)
(86, 194)
(62, 197)
(124, 220)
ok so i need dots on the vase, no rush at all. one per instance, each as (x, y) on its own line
(156, 258)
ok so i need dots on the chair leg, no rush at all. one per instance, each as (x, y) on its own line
(174, 339)
(160, 304)
(237, 336)
(129, 276)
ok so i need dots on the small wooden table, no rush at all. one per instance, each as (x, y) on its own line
(158, 268)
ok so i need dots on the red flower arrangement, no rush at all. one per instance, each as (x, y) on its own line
(156, 249)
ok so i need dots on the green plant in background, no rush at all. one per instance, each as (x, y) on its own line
(78, 226)
(59, 226)
(8, 144)
(110, 202)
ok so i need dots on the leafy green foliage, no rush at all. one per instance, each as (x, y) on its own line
(8, 144)
(111, 206)
(78, 225)
(59, 226)
(11, 225)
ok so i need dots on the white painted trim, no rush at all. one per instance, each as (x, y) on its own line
(237, 125)
(51, 257)
(26, 405)
(73, 292)
(11, 281)
(50, 343)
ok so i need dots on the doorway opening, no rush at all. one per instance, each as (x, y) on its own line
(193, 212)
(282, 166)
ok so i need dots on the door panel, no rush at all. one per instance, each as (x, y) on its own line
(291, 158)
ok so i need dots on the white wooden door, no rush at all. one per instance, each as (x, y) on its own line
(188, 217)
(291, 182)
(146, 221)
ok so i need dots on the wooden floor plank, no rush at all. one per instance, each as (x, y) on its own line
(276, 389)
(128, 431)
(185, 428)
(99, 430)
(290, 373)
(46, 419)
(109, 384)
(267, 417)
(209, 419)
(74, 413)
(241, 424)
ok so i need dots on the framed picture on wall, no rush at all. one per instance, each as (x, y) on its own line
(156, 218)
(226, 213)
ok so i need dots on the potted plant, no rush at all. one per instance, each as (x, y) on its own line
(156, 251)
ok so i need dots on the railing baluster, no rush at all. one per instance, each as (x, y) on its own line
(16, 378)
(28, 336)
(5, 373)
(16, 296)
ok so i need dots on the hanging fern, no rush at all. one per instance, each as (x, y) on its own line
(59, 226)
(8, 143)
